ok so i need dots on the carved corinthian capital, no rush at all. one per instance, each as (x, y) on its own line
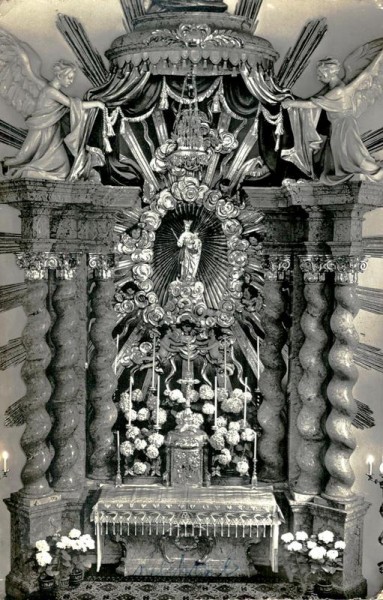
(102, 264)
(66, 265)
(276, 267)
(347, 268)
(35, 264)
(314, 267)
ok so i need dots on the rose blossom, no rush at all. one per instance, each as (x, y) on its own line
(206, 392)
(242, 467)
(232, 437)
(311, 544)
(248, 435)
(126, 449)
(140, 444)
(301, 536)
(43, 559)
(132, 432)
(332, 554)
(217, 441)
(152, 452)
(221, 422)
(143, 414)
(139, 468)
(208, 408)
(156, 439)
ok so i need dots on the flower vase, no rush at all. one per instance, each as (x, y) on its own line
(323, 587)
(47, 586)
(76, 577)
(63, 582)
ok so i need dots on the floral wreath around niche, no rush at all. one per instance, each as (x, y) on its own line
(137, 246)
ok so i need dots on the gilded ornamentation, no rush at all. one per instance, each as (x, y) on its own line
(36, 264)
(195, 35)
(347, 268)
(276, 268)
(67, 265)
(314, 267)
(102, 264)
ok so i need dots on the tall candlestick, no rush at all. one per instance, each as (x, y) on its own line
(154, 362)
(370, 460)
(254, 478)
(158, 402)
(5, 458)
(215, 402)
(224, 365)
(130, 400)
(116, 359)
(118, 481)
(245, 405)
(258, 361)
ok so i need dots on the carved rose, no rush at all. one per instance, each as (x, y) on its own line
(153, 314)
(142, 271)
(232, 227)
(226, 210)
(150, 220)
(142, 255)
(211, 199)
(166, 200)
(188, 189)
(146, 240)
(146, 286)
(225, 320)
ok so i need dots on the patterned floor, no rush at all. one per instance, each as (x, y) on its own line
(165, 590)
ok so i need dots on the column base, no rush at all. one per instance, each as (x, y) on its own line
(32, 519)
(345, 519)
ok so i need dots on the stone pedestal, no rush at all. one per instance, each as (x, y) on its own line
(345, 519)
(31, 520)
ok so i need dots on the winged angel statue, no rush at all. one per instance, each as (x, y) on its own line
(45, 152)
(349, 90)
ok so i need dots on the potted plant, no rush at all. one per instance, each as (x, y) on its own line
(314, 558)
(46, 568)
(72, 551)
(62, 560)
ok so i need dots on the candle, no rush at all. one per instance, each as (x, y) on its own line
(116, 359)
(215, 402)
(381, 467)
(258, 361)
(224, 364)
(118, 444)
(370, 460)
(154, 362)
(5, 458)
(158, 402)
(255, 447)
(130, 400)
(245, 405)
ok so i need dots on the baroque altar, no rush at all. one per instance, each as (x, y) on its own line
(191, 271)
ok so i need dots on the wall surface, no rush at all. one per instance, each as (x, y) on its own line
(351, 23)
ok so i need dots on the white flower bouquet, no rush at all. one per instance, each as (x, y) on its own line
(320, 555)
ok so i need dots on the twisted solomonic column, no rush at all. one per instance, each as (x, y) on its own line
(33, 372)
(310, 421)
(64, 399)
(103, 379)
(345, 374)
(270, 419)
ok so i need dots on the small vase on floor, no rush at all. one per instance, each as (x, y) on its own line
(76, 577)
(47, 586)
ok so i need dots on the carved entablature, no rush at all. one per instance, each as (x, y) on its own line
(102, 264)
(276, 267)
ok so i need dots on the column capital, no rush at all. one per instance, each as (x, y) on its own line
(102, 264)
(66, 264)
(314, 267)
(276, 267)
(35, 264)
(347, 268)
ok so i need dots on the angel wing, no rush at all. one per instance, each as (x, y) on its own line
(20, 78)
(367, 87)
(360, 59)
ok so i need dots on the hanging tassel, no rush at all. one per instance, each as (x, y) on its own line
(279, 130)
(164, 101)
(216, 106)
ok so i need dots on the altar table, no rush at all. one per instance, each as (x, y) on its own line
(229, 517)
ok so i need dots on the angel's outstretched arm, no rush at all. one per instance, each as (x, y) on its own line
(65, 100)
(298, 104)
